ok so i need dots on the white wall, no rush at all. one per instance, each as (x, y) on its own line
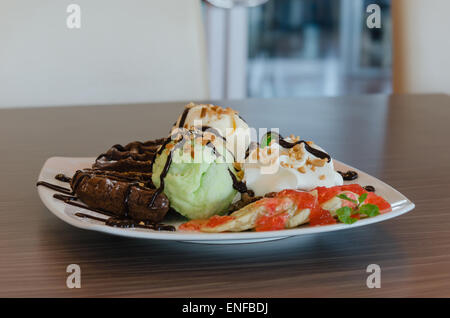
(126, 51)
(421, 46)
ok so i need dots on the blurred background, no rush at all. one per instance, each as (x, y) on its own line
(291, 48)
(142, 51)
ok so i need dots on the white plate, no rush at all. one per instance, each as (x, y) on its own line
(400, 205)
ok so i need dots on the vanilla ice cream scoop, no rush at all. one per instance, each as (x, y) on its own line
(225, 121)
(289, 163)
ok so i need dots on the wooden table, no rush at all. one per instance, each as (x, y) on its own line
(402, 140)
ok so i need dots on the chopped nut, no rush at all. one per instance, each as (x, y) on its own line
(309, 162)
(301, 169)
(296, 152)
(255, 154)
(273, 161)
(204, 141)
(170, 146)
(297, 148)
(318, 162)
(203, 112)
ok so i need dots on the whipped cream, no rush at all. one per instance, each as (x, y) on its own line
(225, 121)
(274, 168)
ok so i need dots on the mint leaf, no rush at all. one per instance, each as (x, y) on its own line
(370, 210)
(345, 215)
(362, 198)
(266, 141)
(344, 211)
(344, 197)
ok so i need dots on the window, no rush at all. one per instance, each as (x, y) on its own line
(291, 48)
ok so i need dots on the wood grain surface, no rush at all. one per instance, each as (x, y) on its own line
(403, 140)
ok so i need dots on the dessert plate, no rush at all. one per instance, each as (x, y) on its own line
(400, 205)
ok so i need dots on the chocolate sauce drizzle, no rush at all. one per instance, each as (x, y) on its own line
(240, 186)
(369, 188)
(63, 197)
(63, 178)
(54, 187)
(161, 179)
(127, 197)
(70, 201)
(349, 175)
(183, 117)
(84, 215)
(128, 223)
(211, 130)
(253, 145)
(286, 144)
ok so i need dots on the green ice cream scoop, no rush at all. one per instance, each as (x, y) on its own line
(200, 185)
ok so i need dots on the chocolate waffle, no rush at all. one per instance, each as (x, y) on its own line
(143, 178)
(120, 182)
(120, 186)
(127, 196)
(134, 157)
